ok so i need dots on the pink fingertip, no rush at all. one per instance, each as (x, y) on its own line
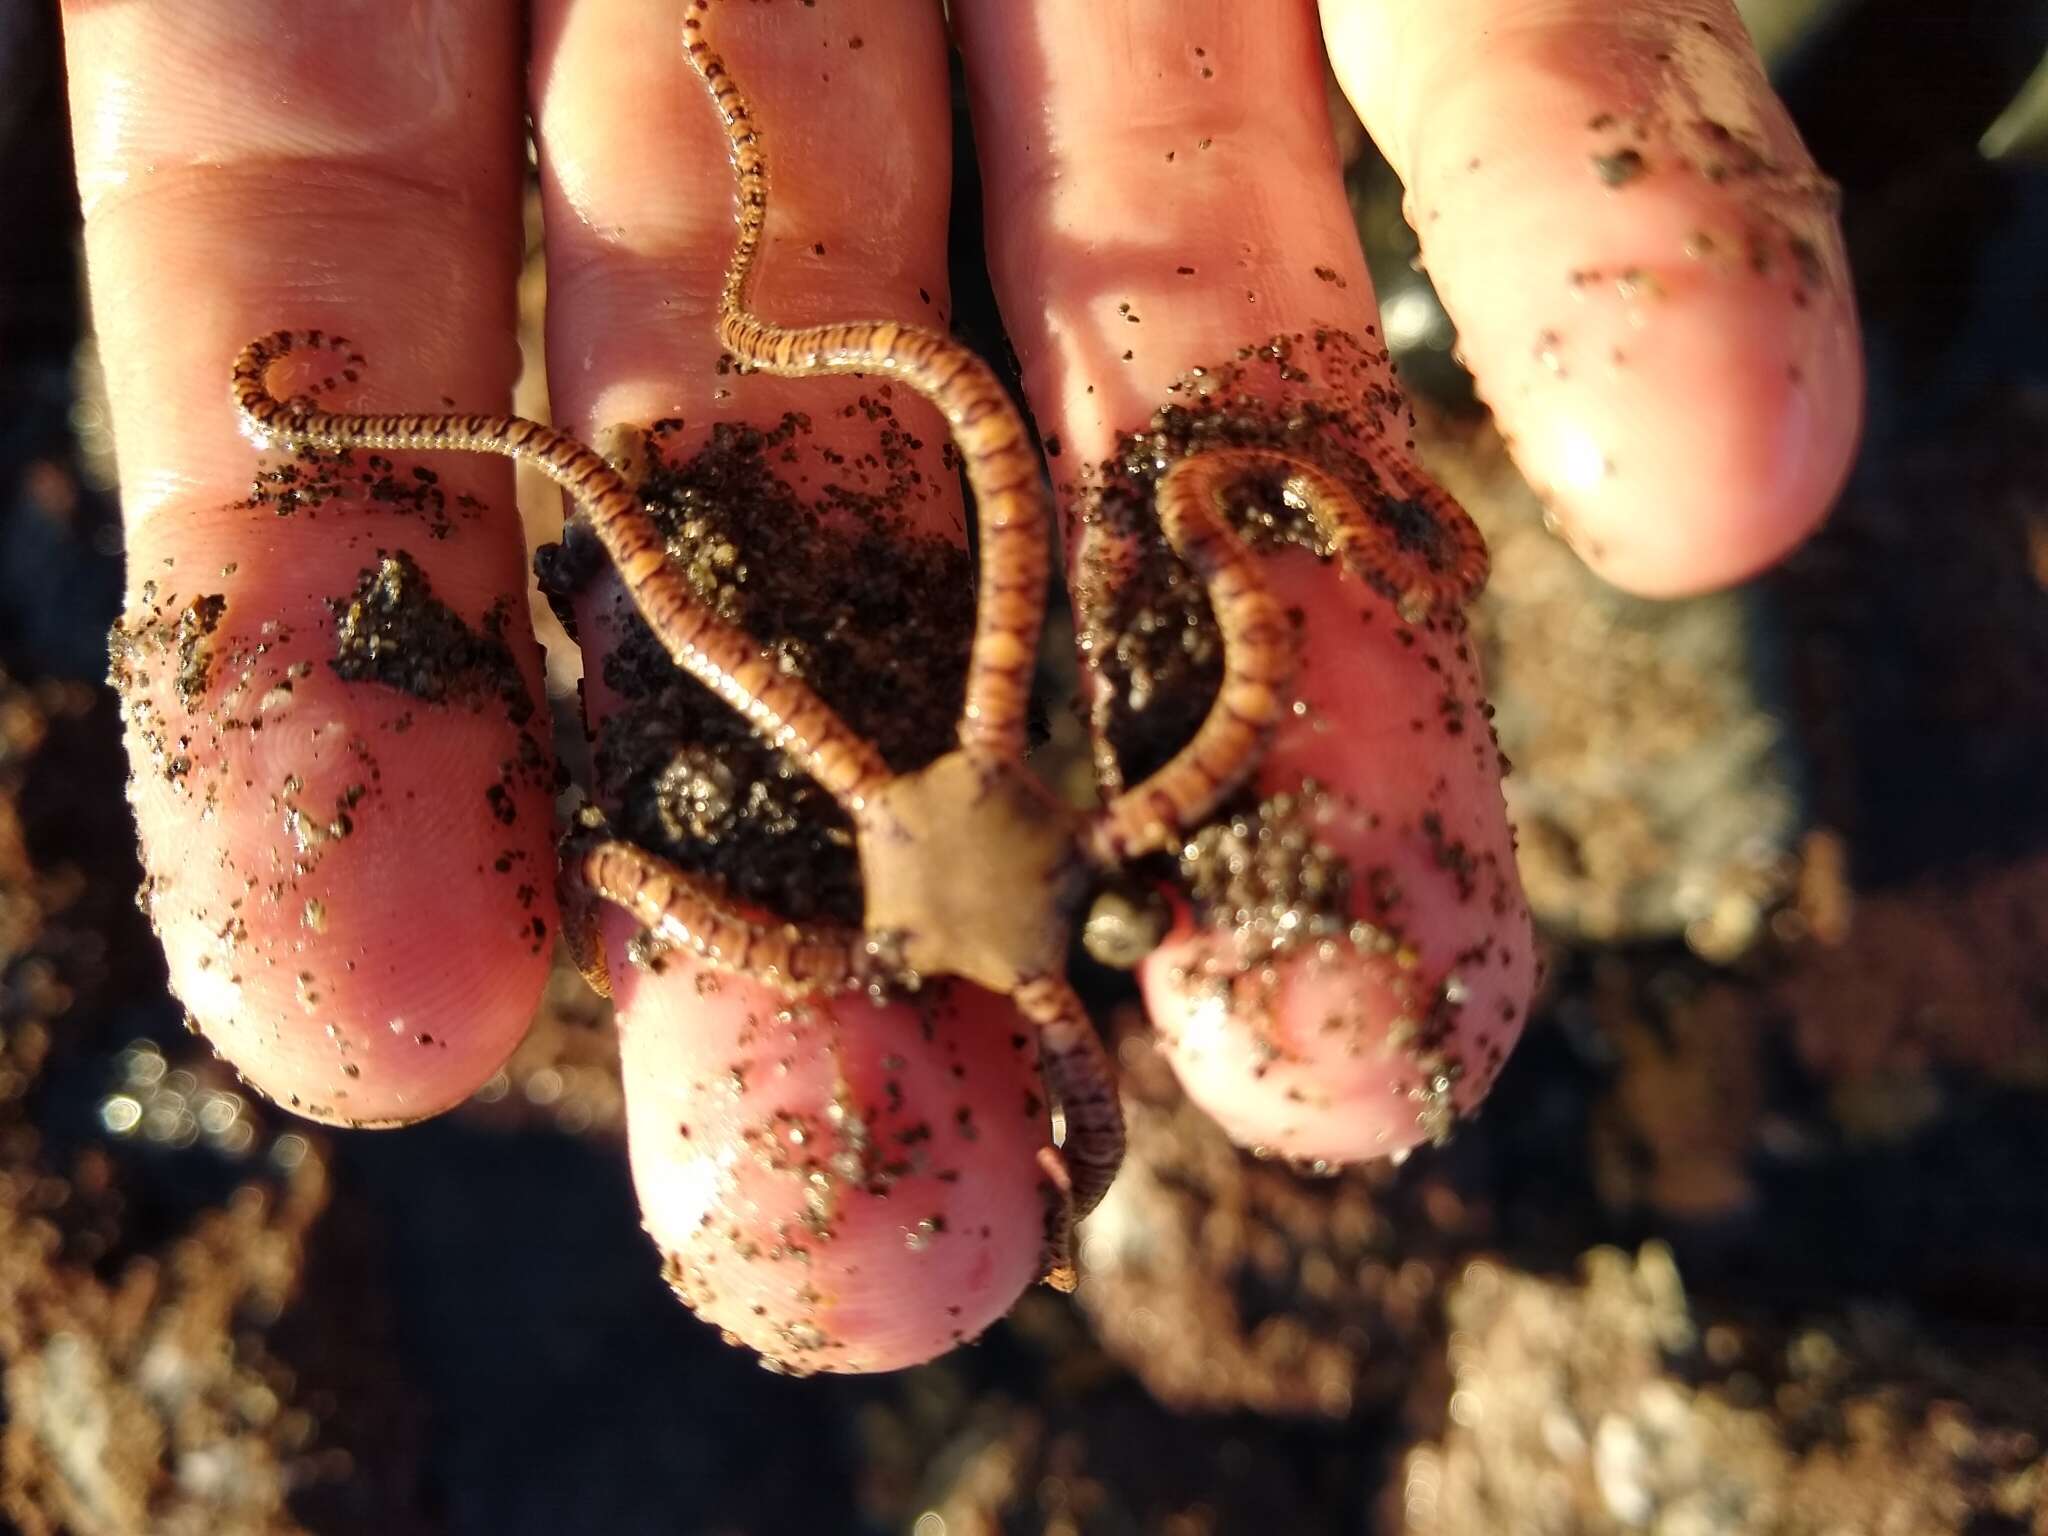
(1643, 263)
(1688, 403)
(839, 1186)
(1364, 1042)
(354, 886)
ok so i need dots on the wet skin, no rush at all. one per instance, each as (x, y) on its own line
(355, 898)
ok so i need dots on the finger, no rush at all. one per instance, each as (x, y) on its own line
(841, 1186)
(1163, 192)
(351, 878)
(1642, 261)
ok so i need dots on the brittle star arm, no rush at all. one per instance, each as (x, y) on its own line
(1409, 541)
(1078, 1073)
(782, 710)
(1258, 665)
(1432, 559)
(695, 916)
(1012, 504)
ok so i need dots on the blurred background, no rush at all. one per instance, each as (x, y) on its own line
(1752, 1237)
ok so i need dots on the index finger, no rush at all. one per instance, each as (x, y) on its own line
(339, 766)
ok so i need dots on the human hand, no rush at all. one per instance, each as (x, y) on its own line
(353, 882)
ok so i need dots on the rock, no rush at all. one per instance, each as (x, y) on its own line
(1228, 1282)
(1654, 788)
(1609, 1404)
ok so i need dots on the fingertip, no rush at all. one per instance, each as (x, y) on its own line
(836, 1185)
(1336, 1057)
(353, 884)
(1643, 263)
(1358, 961)
(1687, 426)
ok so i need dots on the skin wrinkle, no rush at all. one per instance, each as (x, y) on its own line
(277, 187)
(609, 280)
(400, 101)
(1401, 59)
(270, 557)
(186, 446)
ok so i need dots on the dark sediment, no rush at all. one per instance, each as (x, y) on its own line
(392, 630)
(874, 618)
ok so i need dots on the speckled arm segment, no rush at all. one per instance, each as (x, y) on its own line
(781, 708)
(1013, 506)
(695, 916)
(1409, 541)
(1258, 664)
(1417, 548)
(1078, 1072)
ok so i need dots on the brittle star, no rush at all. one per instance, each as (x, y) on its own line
(1002, 917)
